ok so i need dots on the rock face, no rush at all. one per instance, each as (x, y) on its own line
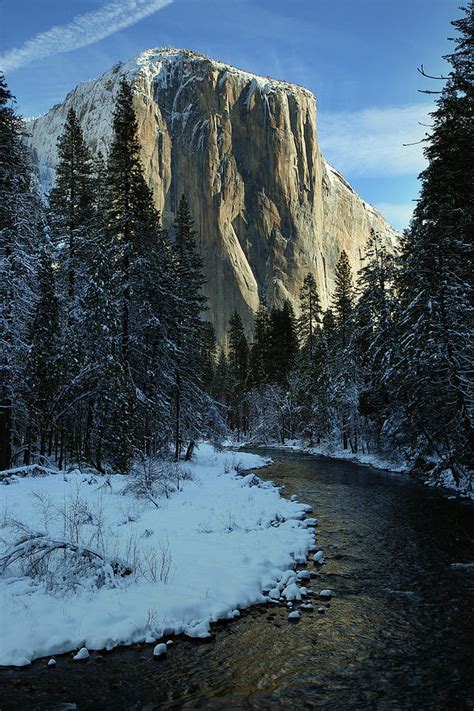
(243, 149)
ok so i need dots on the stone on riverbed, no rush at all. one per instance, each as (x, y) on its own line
(160, 650)
(318, 558)
(294, 616)
(325, 594)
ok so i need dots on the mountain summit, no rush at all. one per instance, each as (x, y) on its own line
(243, 149)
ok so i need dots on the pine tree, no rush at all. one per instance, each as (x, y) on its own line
(71, 218)
(21, 233)
(283, 344)
(208, 356)
(190, 401)
(71, 206)
(346, 374)
(259, 351)
(238, 369)
(433, 376)
(324, 413)
(374, 337)
(222, 384)
(141, 288)
(343, 299)
(238, 350)
(44, 365)
(100, 318)
(134, 223)
(309, 320)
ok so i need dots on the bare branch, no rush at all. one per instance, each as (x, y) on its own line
(421, 70)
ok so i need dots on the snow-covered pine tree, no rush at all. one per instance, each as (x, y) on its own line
(44, 364)
(346, 375)
(100, 316)
(433, 375)
(308, 328)
(192, 406)
(71, 209)
(21, 232)
(141, 371)
(324, 407)
(309, 320)
(71, 218)
(343, 300)
(374, 338)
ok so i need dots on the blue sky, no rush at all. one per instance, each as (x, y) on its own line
(359, 57)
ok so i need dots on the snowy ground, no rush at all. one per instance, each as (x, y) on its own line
(211, 547)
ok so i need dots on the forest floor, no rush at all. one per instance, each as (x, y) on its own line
(196, 549)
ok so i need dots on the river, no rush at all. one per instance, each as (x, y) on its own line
(398, 634)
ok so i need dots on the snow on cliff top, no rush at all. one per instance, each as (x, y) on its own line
(150, 71)
(156, 64)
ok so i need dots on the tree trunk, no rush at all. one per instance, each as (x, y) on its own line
(189, 451)
(5, 431)
(177, 450)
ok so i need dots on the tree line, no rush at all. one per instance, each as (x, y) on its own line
(388, 367)
(106, 353)
(101, 320)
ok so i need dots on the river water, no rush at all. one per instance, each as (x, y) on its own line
(398, 634)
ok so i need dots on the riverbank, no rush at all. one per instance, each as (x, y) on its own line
(397, 465)
(209, 543)
(397, 633)
(331, 452)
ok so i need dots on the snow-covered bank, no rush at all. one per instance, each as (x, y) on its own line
(445, 480)
(211, 547)
(332, 452)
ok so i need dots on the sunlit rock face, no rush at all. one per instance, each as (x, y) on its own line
(243, 149)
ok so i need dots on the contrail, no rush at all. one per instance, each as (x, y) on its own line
(82, 31)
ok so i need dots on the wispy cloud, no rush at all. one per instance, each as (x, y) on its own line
(397, 213)
(83, 30)
(369, 143)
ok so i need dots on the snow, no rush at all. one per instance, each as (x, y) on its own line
(325, 593)
(462, 566)
(295, 615)
(52, 663)
(160, 650)
(318, 557)
(210, 549)
(152, 72)
(82, 654)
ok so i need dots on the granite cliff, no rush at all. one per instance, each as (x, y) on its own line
(244, 150)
